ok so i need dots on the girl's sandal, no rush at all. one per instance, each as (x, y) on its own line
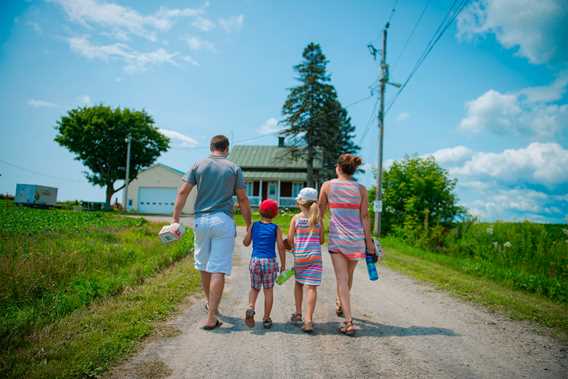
(308, 327)
(249, 318)
(347, 329)
(267, 323)
(296, 318)
(338, 309)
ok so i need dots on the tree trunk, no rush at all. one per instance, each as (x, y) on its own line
(109, 192)
(310, 166)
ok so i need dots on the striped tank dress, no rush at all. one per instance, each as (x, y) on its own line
(346, 234)
(307, 253)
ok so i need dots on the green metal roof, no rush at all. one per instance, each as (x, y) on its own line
(267, 157)
(276, 175)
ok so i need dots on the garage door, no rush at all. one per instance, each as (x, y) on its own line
(156, 199)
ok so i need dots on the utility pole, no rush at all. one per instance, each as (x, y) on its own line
(127, 178)
(383, 81)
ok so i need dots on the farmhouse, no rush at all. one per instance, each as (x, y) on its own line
(271, 173)
(154, 191)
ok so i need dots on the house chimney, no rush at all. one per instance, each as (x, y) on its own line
(281, 141)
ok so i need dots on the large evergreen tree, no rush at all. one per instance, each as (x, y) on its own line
(317, 126)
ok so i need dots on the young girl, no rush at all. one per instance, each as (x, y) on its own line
(263, 267)
(305, 237)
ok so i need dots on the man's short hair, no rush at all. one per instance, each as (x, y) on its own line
(219, 143)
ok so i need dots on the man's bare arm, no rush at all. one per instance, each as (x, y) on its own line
(181, 198)
(244, 205)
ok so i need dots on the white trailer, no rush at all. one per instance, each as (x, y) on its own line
(33, 194)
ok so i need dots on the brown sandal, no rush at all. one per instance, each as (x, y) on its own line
(339, 309)
(296, 318)
(308, 327)
(249, 318)
(347, 328)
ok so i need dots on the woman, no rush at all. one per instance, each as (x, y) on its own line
(349, 230)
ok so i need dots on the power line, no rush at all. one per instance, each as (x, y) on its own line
(39, 173)
(413, 30)
(448, 19)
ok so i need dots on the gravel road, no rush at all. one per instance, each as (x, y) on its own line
(406, 329)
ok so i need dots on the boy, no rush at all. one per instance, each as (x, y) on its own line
(263, 266)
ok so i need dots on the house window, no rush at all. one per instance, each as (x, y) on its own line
(285, 189)
(272, 190)
(255, 188)
(250, 188)
(296, 187)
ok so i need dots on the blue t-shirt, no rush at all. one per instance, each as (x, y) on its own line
(263, 240)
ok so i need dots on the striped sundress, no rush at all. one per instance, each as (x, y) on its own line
(346, 234)
(307, 253)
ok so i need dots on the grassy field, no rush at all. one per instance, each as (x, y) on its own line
(527, 256)
(283, 220)
(74, 275)
(463, 277)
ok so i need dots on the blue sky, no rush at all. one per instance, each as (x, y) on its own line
(490, 102)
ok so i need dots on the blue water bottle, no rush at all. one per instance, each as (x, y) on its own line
(371, 266)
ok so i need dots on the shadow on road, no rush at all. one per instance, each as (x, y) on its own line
(365, 328)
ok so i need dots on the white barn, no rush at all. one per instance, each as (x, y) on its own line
(154, 191)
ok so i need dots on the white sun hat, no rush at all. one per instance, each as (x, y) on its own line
(308, 194)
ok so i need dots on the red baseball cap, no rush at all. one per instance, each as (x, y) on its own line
(269, 208)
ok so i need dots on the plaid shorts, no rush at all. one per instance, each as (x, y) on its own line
(263, 272)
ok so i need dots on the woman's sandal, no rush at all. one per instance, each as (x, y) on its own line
(308, 327)
(267, 323)
(211, 327)
(249, 318)
(338, 309)
(347, 329)
(296, 318)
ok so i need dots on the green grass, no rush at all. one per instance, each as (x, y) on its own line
(454, 274)
(87, 342)
(282, 220)
(531, 257)
(57, 263)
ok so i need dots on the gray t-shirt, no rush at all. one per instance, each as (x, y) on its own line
(217, 180)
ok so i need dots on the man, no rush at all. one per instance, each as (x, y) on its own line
(217, 180)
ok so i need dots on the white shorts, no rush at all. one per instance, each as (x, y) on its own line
(214, 242)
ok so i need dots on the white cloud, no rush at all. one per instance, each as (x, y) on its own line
(185, 141)
(539, 163)
(497, 203)
(451, 155)
(134, 60)
(38, 103)
(85, 99)
(233, 23)
(403, 116)
(197, 43)
(269, 126)
(189, 59)
(203, 24)
(121, 20)
(527, 111)
(35, 27)
(537, 29)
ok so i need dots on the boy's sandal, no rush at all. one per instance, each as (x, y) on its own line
(267, 323)
(348, 329)
(339, 309)
(296, 317)
(249, 318)
(308, 327)
(211, 327)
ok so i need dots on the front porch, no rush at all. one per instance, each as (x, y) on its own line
(284, 192)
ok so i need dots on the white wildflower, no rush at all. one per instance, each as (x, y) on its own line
(490, 230)
(496, 244)
(507, 244)
(565, 231)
